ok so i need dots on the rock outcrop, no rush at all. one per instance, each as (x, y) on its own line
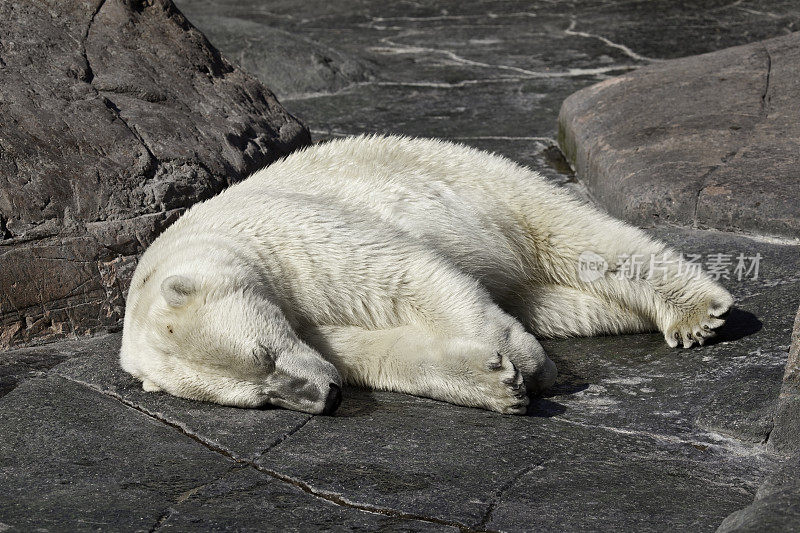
(708, 141)
(114, 117)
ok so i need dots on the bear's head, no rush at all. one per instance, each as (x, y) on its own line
(218, 343)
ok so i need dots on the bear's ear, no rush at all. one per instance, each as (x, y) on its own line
(178, 290)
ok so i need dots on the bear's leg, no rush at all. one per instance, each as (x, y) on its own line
(411, 359)
(559, 311)
(643, 276)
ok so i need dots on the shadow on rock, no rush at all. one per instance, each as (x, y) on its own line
(358, 402)
(738, 325)
(544, 408)
(567, 383)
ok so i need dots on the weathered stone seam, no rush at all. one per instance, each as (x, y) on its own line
(703, 180)
(107, 101)
(621, 47)
(110, 104)
(90, 72)
(162, 518)
(371, 23)
(498, 495)
(735, 447)
(765, 98)
(321, 494)
(280, 440)
(743, 144)
(532, 74)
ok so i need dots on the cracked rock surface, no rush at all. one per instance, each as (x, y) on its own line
(114, 117)
(634, 436)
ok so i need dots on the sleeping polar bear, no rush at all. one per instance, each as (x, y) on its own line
(400, 264)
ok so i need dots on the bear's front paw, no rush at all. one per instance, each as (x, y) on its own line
(697, 320)
(504, 386)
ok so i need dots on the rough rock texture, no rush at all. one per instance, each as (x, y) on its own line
(114, 117)
(291, 64)
(634, 437)
(792, 376)
(705, 141)
(777, 503)
(785, 439)
(776, 507)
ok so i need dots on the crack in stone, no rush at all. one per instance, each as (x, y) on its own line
(703, 180)
(771, 424)
(89, 71)
(161, 520)
(455, 17)
(765, 101)
(277, 442)
(448, 85)
(151, 172)
(727, 6)
(621, 47)
(89, 79)
(169, 511)
(765, 98)
(754, 12)
(498, 495)
(571, 73)
(328, 496)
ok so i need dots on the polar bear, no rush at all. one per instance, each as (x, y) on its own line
(411, 265)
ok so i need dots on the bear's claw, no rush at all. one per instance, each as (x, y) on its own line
(699, 322)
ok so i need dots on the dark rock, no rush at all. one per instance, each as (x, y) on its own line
(73, 450)
(792, 376)
(440, 111)
(411, 457)
(76, 460)
(785, 437)
(777, 504)
(753, 417)
(23, 363)
(291, 64)
(782, 479)
(114, 117)
(707, 141)
(779, 512)
(642, 492)
(246, 500)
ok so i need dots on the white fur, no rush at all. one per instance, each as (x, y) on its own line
(403, 264)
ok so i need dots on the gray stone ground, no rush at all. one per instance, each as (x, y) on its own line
(635, 436)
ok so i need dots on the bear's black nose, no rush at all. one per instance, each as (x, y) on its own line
(333, 400)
